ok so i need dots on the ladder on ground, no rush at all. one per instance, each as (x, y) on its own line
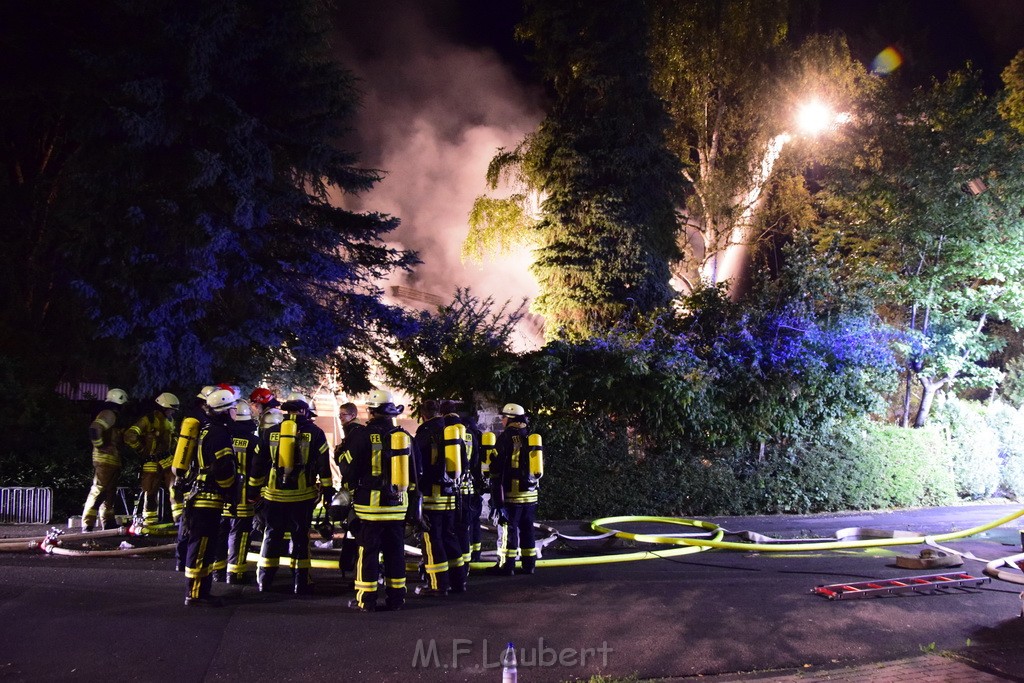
(912, 584)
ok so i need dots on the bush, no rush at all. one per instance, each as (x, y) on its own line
(1008, 424)
(974, 447)
(45, 443)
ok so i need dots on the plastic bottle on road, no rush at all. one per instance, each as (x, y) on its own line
(508, 665)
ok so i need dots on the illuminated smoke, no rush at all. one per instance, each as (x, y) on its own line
(433, 115)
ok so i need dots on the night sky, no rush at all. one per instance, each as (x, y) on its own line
(445, 85)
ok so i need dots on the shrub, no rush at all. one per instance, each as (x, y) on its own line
(974, 447)
(1008, 424)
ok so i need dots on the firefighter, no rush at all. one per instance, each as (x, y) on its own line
(288, 459)
(516, 470)
(106, 433)
(478, 482)
(210, 478)
(439, 448)
(191, 426)
(236, 519)
(341, 508)
(152, 436)
(262, 399)
(465, 485)
(378, 466)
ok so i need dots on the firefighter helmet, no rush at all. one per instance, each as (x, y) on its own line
(513, 410)
(261, 396)
(167, 400)
(242, 411)
(379, 397)
(206, 391)
(221, 400)
(383, 403)
(118, 396)
(271, 417)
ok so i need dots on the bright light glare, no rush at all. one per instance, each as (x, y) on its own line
(814, 117)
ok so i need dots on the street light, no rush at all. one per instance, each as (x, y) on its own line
(814, 117)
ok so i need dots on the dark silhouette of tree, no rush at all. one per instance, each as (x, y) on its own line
(173, 180)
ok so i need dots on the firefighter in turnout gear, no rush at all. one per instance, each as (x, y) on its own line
(106, 433)
(184, 453)
(236, 521)
(152, 437)
(289, 458)
(378, 467)
(515, 472)
(441, 452)
(211, 479)
(465, 484)
(344, 514)
(478, 481)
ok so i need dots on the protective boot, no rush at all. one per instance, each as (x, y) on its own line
(303, 586)
(529, 565)
(265, 578)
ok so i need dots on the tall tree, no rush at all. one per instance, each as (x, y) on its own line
(172, 176)
(733, 84)
(932, 199)
(605, 232)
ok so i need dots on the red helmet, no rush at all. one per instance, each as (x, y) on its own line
(261, 395)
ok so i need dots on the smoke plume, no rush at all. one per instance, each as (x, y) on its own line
(434, 113)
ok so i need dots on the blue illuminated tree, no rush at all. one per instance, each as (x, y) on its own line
(175, 178)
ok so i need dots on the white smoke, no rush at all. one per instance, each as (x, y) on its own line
(433, 115)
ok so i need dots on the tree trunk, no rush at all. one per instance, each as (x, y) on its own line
(930, 388)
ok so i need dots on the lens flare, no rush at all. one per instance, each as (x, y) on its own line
(887, 61)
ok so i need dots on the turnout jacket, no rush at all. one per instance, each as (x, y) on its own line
(106, 436)
(284, 477)
(243, 443)
(512, 479)
(435, 469)
(377, 465)
(151, 436)
(212, 471)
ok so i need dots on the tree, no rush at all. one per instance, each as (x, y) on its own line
(606, 226)
(170, 174)
(933, 202)
(455, 351)
(732, 83)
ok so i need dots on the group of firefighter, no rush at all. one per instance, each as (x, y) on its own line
(231, 465)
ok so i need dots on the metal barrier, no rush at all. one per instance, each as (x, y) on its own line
(25, 505)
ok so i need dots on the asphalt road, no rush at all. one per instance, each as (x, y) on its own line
(706, 614)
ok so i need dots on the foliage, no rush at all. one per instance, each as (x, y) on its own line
(732, 81)
(931, 197)
(605, 233)
(974, 447)
(172, 171)
(45, 442)
(454, 351)
(1008, 424)
(592, 472)
(1011, 108)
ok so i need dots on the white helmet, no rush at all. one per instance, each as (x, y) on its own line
(295, 395)
(205, 392)
(513, 410)
(118, 396)
(242, 411)
(221, 400)
(379, 397)
(166, 400)
(272, 417)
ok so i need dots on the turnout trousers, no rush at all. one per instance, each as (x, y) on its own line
(442, 552)
(519, 536)
(201, 528)
(375, 539)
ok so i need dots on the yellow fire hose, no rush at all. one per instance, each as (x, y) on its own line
(680, 544)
